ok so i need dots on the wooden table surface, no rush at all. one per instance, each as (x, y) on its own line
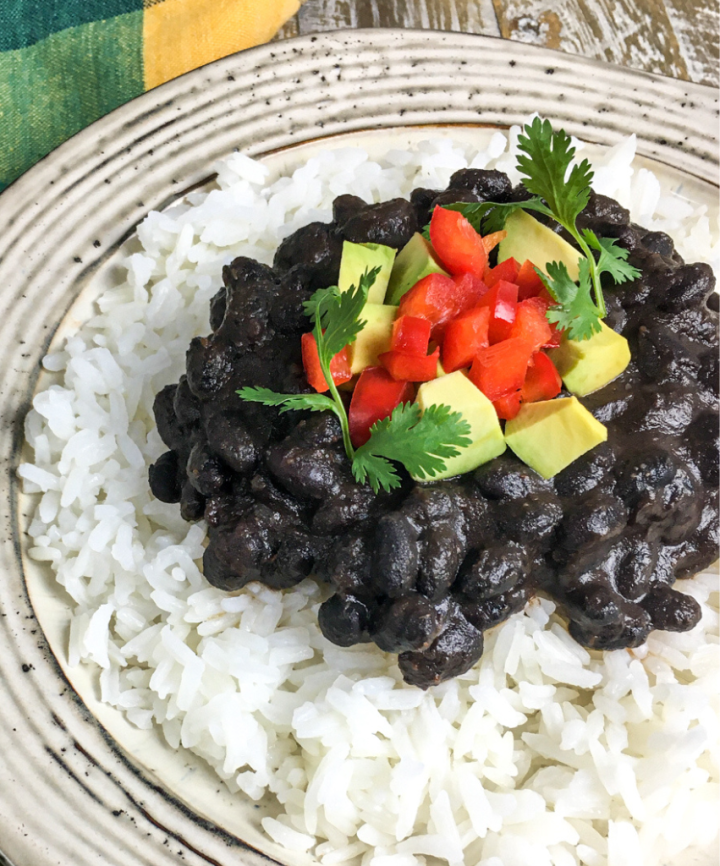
(672, 37)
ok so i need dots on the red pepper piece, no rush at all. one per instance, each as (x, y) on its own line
(439, 299)
(507, 270)
(508, 407)
(529, 283)
(430, 298)
(456, 243)
(411, 334)
(530, 323)
(554, 340)
(542, 381)
(464, 337)
(410, 368)
(500, 369)
(375, 396)
(339, 366)
(502, 300)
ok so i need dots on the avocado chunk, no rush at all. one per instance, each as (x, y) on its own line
(375, 337)
(458, 393)
(358, 258)
(415, 261)
(587, 365)
(550, 434)
(529, 239)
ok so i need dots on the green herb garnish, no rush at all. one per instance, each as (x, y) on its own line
(420, 442)
(545, 161)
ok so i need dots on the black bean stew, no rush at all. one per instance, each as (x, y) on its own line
(424, 571)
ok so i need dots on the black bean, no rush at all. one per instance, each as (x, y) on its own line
(596, 520)
(345, 620)
(636, 568)
(192, 503)
(168, 426)
(392, 223)
(530, 520)
(671, 610)
(229, 438)
(206, 471)
(491, 612)
(346, 206)
(689, 288)
(587, 472)
(217, 308)
(507, 478)
(316, 247)
(490, 572)
(397, 556)
(630, 631)
(454, 652)
(444, 547)
(409, 623)
(164, 480)
(486, 184)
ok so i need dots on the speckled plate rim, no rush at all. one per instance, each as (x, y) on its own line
(67, 794)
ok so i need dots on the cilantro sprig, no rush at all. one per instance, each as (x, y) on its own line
(561, 193)
(420, 442)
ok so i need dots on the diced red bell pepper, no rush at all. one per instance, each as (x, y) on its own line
(410, 368)
(508, 407)
(375, 396)
(339, 366)
(542, 380)
(529, 283)
(554, 340)
(456, 243)
(411, 334)
(464, 337)
(507, 270)
(500, 369)
(431, 298)
(492, 240)
(439, 299)
(502, 300)
(530, 323)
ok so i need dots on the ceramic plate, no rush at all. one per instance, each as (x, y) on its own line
(78, 784)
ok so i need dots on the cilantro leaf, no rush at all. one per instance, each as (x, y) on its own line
(337, 315)
(575, 311)
(288, 402)
(489, 216)
(420, 442)
(545, 159)
(612, 259)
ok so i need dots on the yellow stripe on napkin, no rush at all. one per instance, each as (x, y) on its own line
(180, 35)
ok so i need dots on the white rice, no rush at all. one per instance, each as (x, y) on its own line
(543, 754)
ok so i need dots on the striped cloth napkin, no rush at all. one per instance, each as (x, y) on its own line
(64, 63)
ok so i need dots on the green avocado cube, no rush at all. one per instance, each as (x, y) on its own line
(529, 239)
(550, 434)
(358, 258)
(587, 365)
(457, 392)
(415, 261)
(375, 337)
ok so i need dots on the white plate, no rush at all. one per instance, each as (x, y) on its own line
(78, 784)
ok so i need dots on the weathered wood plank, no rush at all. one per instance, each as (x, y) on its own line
(287, 31)
(697, 25)
(680, 38)
(468, 16)
(636, 33)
